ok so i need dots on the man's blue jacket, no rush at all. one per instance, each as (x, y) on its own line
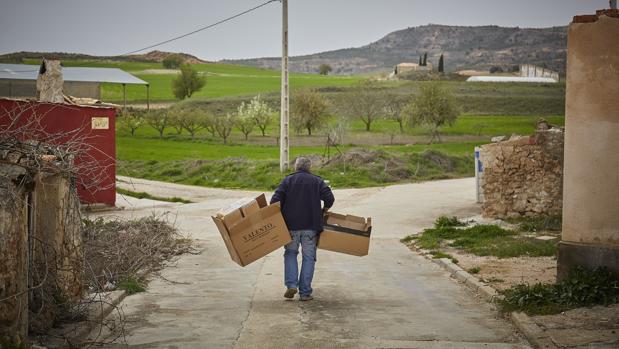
(300, 194)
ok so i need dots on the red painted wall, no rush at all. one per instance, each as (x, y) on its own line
(61, 122)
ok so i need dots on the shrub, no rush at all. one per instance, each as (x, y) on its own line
(582, 287)
(444, 221)
(172, 61)
(187, 82)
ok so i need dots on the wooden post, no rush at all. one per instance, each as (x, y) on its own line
(147, 96)
(284, 141)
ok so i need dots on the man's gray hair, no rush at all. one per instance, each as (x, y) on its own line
(303, 164)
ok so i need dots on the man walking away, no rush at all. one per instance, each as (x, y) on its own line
(300, 194)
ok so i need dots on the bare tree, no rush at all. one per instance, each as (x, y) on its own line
(433, 108)
(245, 125)
(158, 119)
(309, 110)
(192, 121)
(132, 120)
(174, 119)
(223, 125)
(394, 107)
(366, 102)
(208, 122)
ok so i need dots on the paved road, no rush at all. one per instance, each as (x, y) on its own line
(392, 298)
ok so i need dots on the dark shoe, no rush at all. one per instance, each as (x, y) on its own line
(303, 298)
(290, 293)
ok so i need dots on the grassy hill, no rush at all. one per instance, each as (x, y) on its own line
(479, 47)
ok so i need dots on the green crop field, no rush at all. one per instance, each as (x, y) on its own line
(221, 80)
(253, 164)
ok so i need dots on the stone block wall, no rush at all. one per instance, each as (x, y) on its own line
(523, 176)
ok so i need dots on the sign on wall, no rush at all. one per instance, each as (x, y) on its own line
(100, 123)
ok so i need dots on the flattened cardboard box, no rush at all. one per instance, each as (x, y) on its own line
(255, 235)
(346, 234)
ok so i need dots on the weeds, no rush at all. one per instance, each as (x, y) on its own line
(474, 270)
(538, 224)
(444, 221)
(581, 288)
(354, 168)
(440, 254)
(485, 240)
(132, 285)
(408, 239)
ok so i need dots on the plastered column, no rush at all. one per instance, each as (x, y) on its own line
(591, 174)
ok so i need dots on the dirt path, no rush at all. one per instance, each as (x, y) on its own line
(391, 298)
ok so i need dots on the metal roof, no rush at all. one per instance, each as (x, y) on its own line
(509, 79)
(82, 74)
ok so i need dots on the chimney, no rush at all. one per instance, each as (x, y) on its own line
(49, 82)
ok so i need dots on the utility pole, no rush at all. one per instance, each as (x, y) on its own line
(283, 138)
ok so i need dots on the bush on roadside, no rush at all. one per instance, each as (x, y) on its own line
(581, 288)
(444, 221)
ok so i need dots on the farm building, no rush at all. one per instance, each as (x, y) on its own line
(20, 80)
(409, 67)
(87, 133)
(58, 123)
(510, 79)
(533, 71)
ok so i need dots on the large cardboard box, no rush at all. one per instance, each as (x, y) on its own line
(251, 229)
(346, 234)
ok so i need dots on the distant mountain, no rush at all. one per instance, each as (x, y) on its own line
(152, 56)
(464, 48)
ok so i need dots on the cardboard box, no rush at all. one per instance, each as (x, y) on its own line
(252, 236)
(250, 208)
(346, 234)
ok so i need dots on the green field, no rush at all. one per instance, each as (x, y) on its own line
(222, 80)
(475, 125)
(382, 156)
(253, 164)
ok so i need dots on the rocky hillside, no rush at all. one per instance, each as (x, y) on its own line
(464, 48)
(152, 56)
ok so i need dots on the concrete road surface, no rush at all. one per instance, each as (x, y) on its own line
(392, 298)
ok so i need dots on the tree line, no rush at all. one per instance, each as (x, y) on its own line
(432, 107)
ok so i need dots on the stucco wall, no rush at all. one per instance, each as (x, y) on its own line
(13, 254)
(591, 198)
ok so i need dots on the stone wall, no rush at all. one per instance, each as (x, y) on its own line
(523, 176)
(41, 252)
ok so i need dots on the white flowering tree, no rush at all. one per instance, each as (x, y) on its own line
(259, 112)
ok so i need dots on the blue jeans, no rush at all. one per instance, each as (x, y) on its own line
(307, 239)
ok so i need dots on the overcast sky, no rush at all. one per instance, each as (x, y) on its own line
(112, 27)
